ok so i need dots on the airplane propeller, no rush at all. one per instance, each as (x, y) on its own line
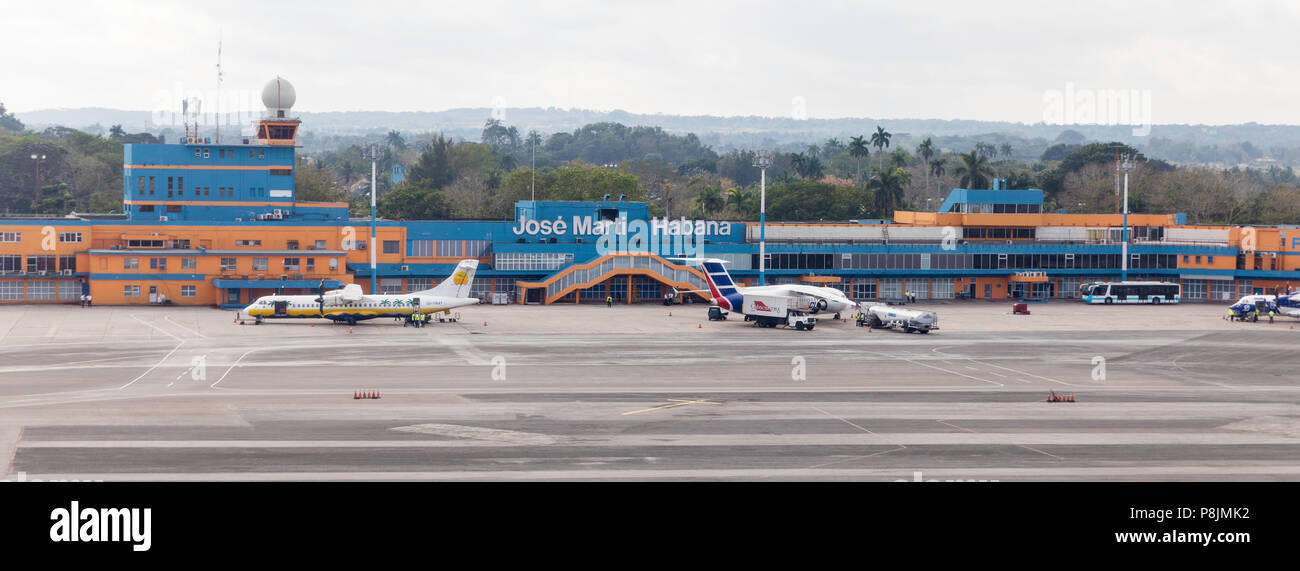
(320, 296)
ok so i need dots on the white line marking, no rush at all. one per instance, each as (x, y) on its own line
(165, 332)
(232, 366)
(1026, 373)
(169, 318)
(155, 366)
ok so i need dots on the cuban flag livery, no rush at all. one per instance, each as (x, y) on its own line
(721, 287)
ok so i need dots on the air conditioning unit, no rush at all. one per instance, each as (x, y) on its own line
(161, 219)
(239, 220)
(278, 212)
(67, 272)
(405, 268)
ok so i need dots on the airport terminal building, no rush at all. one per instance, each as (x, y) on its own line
(218, 224)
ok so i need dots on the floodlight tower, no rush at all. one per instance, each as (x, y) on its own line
(762, 160)
(1125, 165)
(373, 151)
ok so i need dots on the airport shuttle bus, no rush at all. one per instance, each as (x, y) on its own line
(1132, 292)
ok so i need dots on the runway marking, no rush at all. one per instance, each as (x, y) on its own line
(1020, 445)
(232, 366)
(949, 371)
(14, 453)
(1026, 373)
(676, 403)
(165, 332)
(478, 433)
(169, 319)
(155, 366)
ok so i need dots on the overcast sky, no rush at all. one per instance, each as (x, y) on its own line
(1200, 62)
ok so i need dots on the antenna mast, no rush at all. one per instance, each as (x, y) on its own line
(219, 76)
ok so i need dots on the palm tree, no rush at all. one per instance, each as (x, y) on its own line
(974, 171)
(395, 140)
(986, 150)
(880, 139)
(899, 157)
(1006, 150)
(711, 200)
(887, 186)
(926, 150)
(739, 199)
(936, 169)
(858, 149)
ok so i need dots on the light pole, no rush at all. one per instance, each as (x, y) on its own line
(36, 190)
(1125, 165)
(374, 191)
(762, 160)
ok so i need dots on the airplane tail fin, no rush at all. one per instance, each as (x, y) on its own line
(456, 285)
(721, 286)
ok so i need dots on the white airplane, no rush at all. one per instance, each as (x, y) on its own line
(1250, 307)
(350, 305)
(729, 296)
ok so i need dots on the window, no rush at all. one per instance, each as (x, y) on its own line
(11, 289)
(11, 264)
(391, 247)
(146, 208)
(311, 264)
(157, 263)
(420, 248)
(281, 172)
(207, 153)
(207, 191)
(248, 242)
(261, 154)
(228, 265)
(291, 245)
(67, 263)
(179, 244)
(139, 186)
(320, 245)
(173, 208)
(260, 264)
(291, 264)
(130, 291)
(188, 291)
(11, 236)
(1198, 259)
(41, 264)
(198, 153)
(130, 263)
(170, 184)
(42, 289)
(334, 264)
(189, 263)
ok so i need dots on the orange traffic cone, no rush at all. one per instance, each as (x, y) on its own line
(484, 324)
(699, 326)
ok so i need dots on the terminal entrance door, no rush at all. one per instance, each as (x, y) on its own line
(534, 295)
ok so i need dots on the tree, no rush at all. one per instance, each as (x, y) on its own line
(434, 165)
(888, 188)
(414, 200)
(880, 139)
(711, 201)
(857, 149)
(926, 150)
(8, 121)
(744, 202)
(974, 171)
(394, 139)
(1006, 150)
(116, 132)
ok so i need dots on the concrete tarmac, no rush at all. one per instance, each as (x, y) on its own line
(631, 393)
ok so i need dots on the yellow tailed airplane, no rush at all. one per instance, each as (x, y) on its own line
(350, 305)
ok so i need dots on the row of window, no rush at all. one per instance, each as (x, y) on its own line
(204, 153)
(997, 208)
(147, 186)
(962, 261)
(532, 261)
(134, 291)
(17, 237)
(13, 263)
(40, 289)
(448, 248)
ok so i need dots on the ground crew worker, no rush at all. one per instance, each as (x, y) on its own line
(609, 301)
(88, 300)
(1270, 315)
(83, 300)
(1232, 314)
(860, 319)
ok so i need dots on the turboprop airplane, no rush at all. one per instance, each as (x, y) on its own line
(1252, 307)
(728, 295)
(350, 305)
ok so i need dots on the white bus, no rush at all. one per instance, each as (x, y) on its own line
(1132, 292)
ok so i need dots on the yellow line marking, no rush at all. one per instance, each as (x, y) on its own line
(676, 402)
